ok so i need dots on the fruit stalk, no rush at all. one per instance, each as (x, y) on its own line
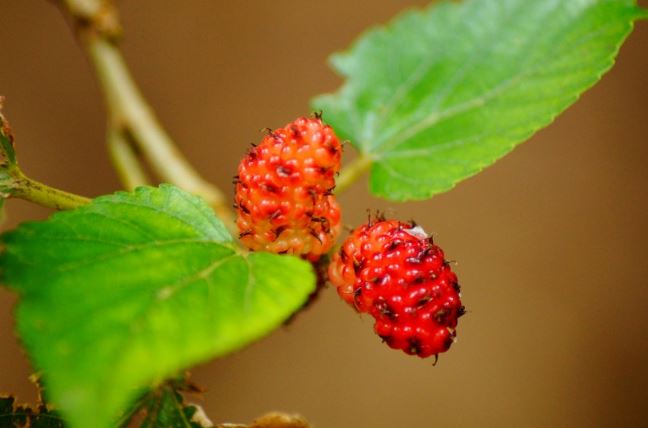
(352, 172)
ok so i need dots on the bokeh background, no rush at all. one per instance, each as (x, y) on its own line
(551, 241)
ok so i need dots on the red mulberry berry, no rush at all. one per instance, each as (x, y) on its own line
(394, 272)
(284, 190)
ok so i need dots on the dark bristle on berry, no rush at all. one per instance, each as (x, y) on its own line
(283, 190)
(394, 272)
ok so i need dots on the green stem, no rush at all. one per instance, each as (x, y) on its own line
(352, 172)
(98, 28)
(85, 9)
(41, 194)
(125, 160)
(128, 108)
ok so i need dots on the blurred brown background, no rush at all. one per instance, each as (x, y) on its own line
(550, 241)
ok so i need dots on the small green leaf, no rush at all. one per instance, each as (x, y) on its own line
(124, 292)
(165, 407)
(439, 94)
(18, 416)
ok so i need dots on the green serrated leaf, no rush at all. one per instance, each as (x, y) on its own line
(119, 294)
(165, 407)
(18, 416)
(439, 94)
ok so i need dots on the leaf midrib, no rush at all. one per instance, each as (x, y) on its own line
(128, 249)
(423, 71)
(388, 144)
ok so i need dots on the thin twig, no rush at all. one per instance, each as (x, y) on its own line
(125, 160)
(98, 30)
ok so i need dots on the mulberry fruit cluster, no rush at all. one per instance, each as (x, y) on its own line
(284, 190)
(394, 272)
(388, 269)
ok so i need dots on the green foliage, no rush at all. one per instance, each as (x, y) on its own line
(165, 408)
(16, 416)
(120, 294)
(439, 94)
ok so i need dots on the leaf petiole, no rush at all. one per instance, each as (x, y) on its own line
(30, 190)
